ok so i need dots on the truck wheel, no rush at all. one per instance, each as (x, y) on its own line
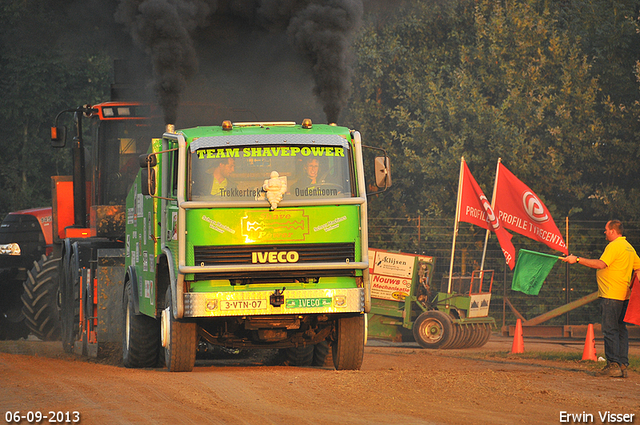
(178, 340)
(69, 304)
(433, 329)
(300, 356)
(348, 348)
(40, 299)
(141, 335)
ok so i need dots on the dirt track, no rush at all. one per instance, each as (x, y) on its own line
(397, 385)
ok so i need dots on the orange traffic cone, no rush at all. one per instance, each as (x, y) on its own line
(518, 342)
(589, 352)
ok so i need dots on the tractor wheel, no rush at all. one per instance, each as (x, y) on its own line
(40, 299)
(300, 356)
(348, 347)
(178, 340)
(433, 329)
(12, 322)
(141, 335)
(322, 355)
(69, 303)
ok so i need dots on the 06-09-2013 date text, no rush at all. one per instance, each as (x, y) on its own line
(51, 417)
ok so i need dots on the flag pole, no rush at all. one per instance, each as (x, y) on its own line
(455, 225)
(493, 206)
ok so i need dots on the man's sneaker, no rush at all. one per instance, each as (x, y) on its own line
(611, 369)
(624, 370)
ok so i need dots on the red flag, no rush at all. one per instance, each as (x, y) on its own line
(520, 210)
(476, 209)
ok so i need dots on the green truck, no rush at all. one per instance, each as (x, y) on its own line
(249, 235)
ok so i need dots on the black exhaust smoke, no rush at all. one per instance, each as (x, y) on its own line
(162, 28)
(320, 30)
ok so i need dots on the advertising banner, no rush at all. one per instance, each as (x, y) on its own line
(392, 273)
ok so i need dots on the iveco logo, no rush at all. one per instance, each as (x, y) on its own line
(534, 207)
(275, 257)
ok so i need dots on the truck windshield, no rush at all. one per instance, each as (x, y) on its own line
(242, 173)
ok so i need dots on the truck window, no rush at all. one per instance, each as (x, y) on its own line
(238, 173)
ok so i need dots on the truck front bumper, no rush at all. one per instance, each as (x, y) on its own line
(256, 303)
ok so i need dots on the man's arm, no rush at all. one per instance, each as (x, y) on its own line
(587, 262)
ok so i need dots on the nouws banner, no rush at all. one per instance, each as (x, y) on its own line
(474, 208)
(520, 210)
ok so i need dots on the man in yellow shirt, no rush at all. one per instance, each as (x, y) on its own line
(615, 269)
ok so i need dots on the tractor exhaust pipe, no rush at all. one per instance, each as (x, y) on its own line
(170, 128)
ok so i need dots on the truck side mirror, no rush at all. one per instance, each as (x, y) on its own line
(58, 137)
(148, 181)
(383, 171)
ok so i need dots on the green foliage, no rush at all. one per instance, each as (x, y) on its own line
(38, 78)
(530, 81)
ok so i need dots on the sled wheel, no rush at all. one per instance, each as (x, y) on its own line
(433, 329)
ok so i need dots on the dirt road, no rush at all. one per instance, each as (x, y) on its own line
(397, 385)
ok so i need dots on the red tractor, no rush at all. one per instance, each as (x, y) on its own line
(28, 274)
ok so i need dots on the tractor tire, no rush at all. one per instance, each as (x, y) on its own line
(348, 347)
(322, 355)
(433, 329)
(179, 340)
(299, 356)
(141, 335)
(12, 321)
(69, 304)
(40, 299)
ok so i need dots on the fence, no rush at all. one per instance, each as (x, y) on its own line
(433, 237)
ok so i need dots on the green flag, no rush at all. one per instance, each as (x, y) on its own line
(532, 268)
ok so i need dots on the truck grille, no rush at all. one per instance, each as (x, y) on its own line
(262, 254)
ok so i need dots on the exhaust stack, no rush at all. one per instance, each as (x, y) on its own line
(170, 128)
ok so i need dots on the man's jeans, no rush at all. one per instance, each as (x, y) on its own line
(614, 330)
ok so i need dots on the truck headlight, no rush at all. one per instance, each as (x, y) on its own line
(10, 249)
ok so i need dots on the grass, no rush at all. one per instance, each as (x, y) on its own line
(569, 357)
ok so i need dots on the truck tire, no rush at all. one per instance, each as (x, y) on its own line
(40, 299)
(348, 347)
(141, 335)
(178, 340)
(433, 329)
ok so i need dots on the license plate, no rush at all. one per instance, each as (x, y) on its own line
(243, 305)
(308, 302)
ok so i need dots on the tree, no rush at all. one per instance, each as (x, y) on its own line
(39, 78)
(485, 79)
